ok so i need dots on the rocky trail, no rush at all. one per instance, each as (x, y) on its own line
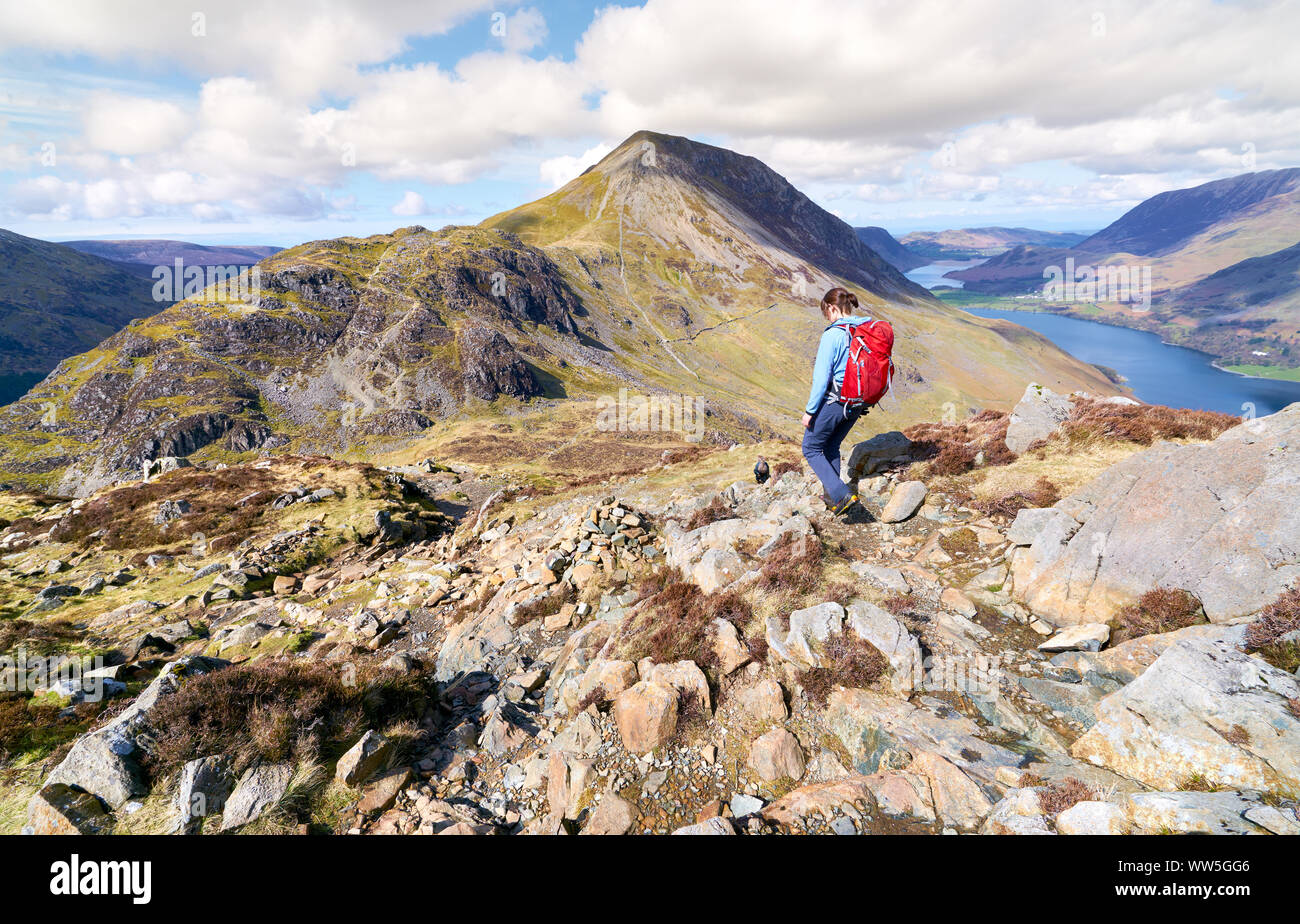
(651, 657)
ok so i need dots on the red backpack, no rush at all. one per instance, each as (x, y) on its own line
(870, 366)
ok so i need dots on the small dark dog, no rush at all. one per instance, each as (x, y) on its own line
(761, 471)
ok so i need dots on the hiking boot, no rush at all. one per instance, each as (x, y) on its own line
(845, 506)
(859, 516)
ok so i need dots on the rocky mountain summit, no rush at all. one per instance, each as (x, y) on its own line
(314, 645)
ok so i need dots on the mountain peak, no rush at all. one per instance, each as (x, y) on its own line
(713, 202)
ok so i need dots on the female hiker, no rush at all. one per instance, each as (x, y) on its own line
(826, 420)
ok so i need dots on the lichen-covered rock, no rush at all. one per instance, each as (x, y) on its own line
(1190, 813)
(1039, 413)
(874, 454)
(260, 788)
(821, 799)
(1219, 519)
(1018, 812)
(1092, 817)
(904, 502)
(612, 815)
(777, 755)
(58, 808)
(708, 826)
(1206, 710)
(204, 786)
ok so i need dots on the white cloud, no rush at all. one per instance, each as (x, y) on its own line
(302, 46)
(556, 171)
(878, 102)
(523, 31)
(411, 203)
(133, 125)
(896, 81)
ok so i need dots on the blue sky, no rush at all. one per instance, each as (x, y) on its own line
(278, 124)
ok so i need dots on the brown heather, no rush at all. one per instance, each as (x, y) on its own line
(279, 709)
(711, 512)
(35, 728)
(41, 636)
(1055, 798)
(1163, 609)
(952, 449)
(782, 468)
(847, 661)
(794, 566)
(1264, 635)
(1093, 419)
(676, 624)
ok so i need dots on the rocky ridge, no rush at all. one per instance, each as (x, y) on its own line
(648, 658)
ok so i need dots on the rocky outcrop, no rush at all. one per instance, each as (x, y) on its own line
(572, 688)
(1219, 519)
(1203, 710)
(491, 367)
(1039, 414)
(335, 342)
(105, 763)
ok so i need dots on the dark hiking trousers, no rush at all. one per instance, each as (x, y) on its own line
(821, 446)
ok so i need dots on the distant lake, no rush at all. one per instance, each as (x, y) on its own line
(1157, 372)
(931, 274)
(13, 387)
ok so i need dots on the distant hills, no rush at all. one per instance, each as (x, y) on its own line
(146, 254)
(885, 244)
(973, 243)
(56, 301)
(1222, 259)
(669, 267)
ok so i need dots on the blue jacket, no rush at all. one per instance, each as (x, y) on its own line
(828, 370)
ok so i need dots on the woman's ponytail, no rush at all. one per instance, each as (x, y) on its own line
(840, 298)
